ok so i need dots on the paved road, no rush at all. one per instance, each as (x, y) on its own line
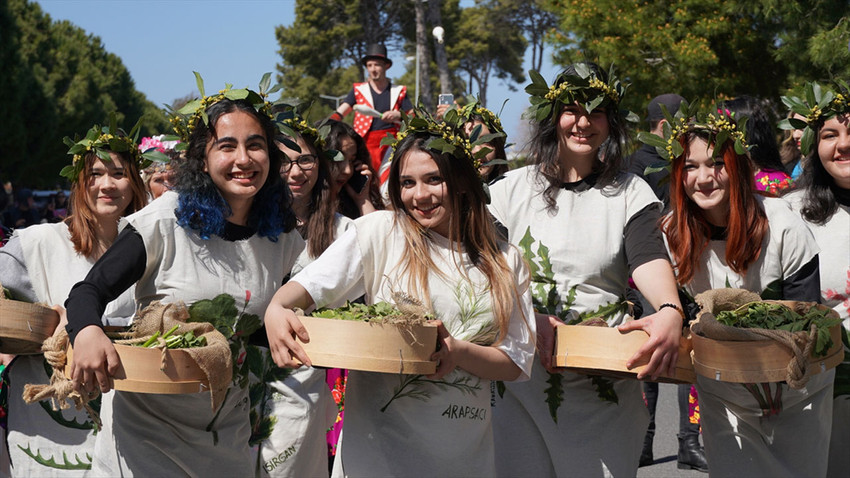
(666, 444)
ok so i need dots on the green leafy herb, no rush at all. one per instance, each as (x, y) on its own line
(773, 316)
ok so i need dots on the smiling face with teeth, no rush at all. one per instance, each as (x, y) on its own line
(237, 160)
(581, 133)
(424, 192)
(834, 149)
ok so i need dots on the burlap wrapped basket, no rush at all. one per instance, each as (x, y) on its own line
(751, 355)
(147, 370)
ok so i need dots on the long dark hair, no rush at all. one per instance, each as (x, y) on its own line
(819, 186)
(318, 227)
(202, 208)
(338, 131)
(543, 146)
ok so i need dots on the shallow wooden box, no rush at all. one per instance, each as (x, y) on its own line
(756, 361)
(25, 326)
(371, 346)
(140, 371)
(605, 350)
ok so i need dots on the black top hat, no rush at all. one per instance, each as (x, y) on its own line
(376, 51)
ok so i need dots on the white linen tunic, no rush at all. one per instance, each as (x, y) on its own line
(740, 440)
(299, 409)
(43, 442)
(408, 425)
(177, 435)
(578, 263)
(833, 238)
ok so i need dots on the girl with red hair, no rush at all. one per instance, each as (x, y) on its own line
(722, 234)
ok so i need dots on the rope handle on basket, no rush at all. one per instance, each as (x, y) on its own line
(61, 388)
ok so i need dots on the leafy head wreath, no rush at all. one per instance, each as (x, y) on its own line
(448, 136)
(104, 139)
(291, 124)
(583, 87)
(720, 125)
(185, 119)
(819, 105)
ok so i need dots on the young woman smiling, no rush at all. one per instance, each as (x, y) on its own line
(226, 227)
(722, 234)
(823, 201)
(438, 245)
(41, 263)
(585, 227)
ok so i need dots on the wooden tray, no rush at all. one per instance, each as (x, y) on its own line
(25, 326)
(140, 371)
(371, 346)
(756, 361)
(605, 350)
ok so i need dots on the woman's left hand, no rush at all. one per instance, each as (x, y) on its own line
(447, 355)
(665, 331)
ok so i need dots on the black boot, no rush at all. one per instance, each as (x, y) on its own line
(691, 454)
(646, 455)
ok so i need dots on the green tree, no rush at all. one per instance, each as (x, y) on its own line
(61, 81)
(491, 45)
(706, 49)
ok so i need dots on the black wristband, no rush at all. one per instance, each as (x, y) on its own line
(673, 306)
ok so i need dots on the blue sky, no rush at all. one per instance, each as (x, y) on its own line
(228, 41)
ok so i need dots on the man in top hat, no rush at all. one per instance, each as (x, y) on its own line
(379, 94)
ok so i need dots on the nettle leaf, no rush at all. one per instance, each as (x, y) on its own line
(554, 394)
(221, 312)
(247, 325)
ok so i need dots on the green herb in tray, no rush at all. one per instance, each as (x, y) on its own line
(378, 312)
(179, 341)
(772, 316)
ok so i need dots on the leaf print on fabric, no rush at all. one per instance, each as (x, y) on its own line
(545, 298)
(52, 463)
(415, 386)
(475, 315)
